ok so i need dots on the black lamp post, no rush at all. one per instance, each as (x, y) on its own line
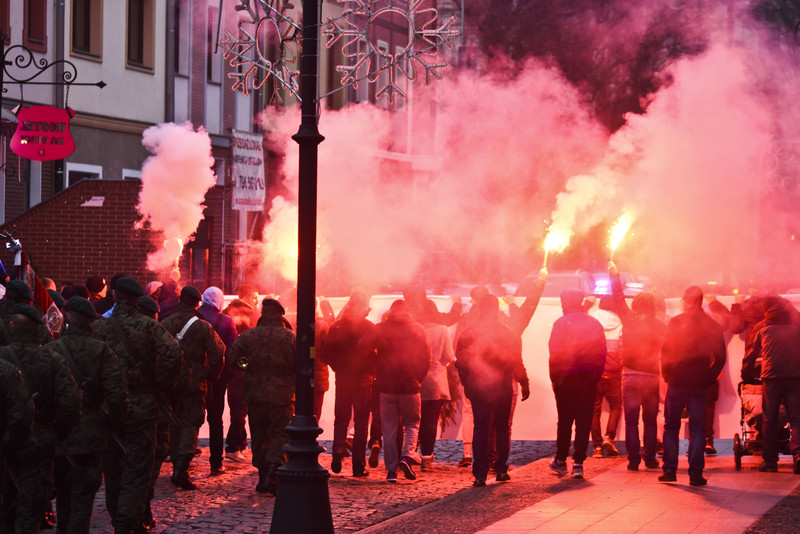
(302, 503)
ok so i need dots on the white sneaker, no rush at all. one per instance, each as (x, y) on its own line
(577, 471)
(235, 456)
(559, 466)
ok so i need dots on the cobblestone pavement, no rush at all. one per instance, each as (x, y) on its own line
(228, 503)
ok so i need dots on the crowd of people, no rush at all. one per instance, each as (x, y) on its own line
(128, 380)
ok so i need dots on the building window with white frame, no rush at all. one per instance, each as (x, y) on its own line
(141, 36)
(75, 172)
(87, 28)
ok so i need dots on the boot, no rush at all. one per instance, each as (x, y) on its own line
(148, 520)
(272, 479)
(180, 473)
(263, 478)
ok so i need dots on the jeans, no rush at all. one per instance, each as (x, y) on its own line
(575, 396)
(775, 391)
(237, 407)
(609, 388)
(351, 397)
(397, 408)
(694, 399)
(428, 425)
(215, 406)
(640, 390)
(491, 414)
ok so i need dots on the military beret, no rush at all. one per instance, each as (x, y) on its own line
(72, 290)
(20, 288)
(28, 311)
(57, 298)
(82, 306)
(190, 295)
(128, 285)
(147, 303)
(96, 283)
(273, 305)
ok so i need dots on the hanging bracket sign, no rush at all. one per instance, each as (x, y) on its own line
(43, 133)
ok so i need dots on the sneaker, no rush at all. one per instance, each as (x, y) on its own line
(414, 459)
(427, 463)
(405, 467)
(668, 476)
(559, 466)
(710, 450)
(697, 480)
(215, 471)
(577, 470)
(764, 467)
(391, 477)
(479, 482)
(651, 464)
(598, 453)
(336, 462)
(609, 447)
(466, 461)
(236, 456)
(361, 473)
(632, 466)
(503, 477)
(796, 468)
(374, 454)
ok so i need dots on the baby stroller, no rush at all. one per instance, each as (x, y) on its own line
(751, 441)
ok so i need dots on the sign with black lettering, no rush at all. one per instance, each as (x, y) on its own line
(248, 171)
(43, 133)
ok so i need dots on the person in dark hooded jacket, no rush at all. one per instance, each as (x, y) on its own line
(577, 358)
(777, 343)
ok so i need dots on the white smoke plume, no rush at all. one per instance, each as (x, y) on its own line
(175, 180)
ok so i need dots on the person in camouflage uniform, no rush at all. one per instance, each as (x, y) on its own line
(269, 383)
(150, 362)
(16, 417)
(105, 401)
(18, 292)
(203, 358)
(57, 402)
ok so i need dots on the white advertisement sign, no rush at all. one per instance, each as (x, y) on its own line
(248, 171)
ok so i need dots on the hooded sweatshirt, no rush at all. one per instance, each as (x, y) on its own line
(577, 342)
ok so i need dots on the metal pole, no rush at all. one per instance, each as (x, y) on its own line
(302, 503)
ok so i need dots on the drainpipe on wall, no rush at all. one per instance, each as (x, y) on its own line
(60, 23)
(169, 65)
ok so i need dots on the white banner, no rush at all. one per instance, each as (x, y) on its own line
(248, 171)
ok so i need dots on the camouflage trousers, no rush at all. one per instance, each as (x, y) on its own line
(75, 491)
(268, 432)
(23, 510)
(128, 476)
(183, 439)
(162, 451)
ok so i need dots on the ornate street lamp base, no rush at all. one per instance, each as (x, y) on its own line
(302, 503)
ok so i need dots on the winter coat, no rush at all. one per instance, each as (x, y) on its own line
(693, 352)
(577, 345)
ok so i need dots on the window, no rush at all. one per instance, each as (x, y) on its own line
(182, 33)
(5, 26)
(87, 27)
(35, 23)
(131, 174)
(140, 33)
(213, 61)
(362, 93)
(80, 171)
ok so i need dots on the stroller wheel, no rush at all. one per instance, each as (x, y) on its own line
(738, 451)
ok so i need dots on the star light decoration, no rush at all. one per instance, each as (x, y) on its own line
(368, 63)
(248, 55)
(371, 62)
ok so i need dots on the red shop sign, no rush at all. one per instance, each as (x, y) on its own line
(43, 133)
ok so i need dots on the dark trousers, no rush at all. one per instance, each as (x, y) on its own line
(75, 489)
(375, 433)
(694, 399)
(774, 392)
(428, 425)
(609, 388)
(268, 424)
(215, 407)
(352, 398)
(575, 396)
(712, 394)
(640, 391)
(23, 511)
(489, 414)
(237, 410)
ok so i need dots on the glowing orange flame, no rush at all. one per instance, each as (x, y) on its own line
(556, 241)
(619, 229)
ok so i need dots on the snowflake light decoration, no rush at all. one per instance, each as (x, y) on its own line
(371, 62)
(248, 53)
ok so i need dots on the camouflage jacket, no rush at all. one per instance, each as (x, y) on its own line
(203, 350)
(16, 409)
(270, 352)
(98, 373)
(45, 336)
(56, 397)
(150, 358)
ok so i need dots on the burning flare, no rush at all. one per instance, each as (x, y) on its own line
(557, 240)
(618, 230)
